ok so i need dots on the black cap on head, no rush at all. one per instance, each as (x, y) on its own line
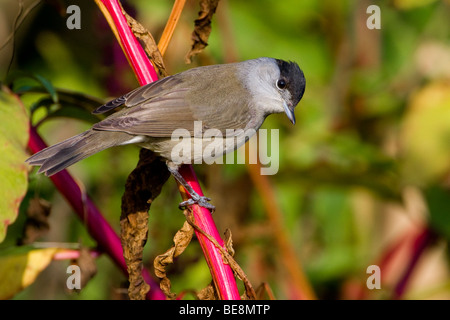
(295, 79)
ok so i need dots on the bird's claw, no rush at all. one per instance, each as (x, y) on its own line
(200, 201)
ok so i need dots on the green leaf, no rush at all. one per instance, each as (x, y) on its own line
(438, 203)
(70, 105)
(13, 170)
(73, 112)
(19, 267)
(425, 135)
(21, 84)
(48, 86)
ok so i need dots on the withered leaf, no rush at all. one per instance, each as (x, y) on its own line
(36, 224)
(88, 267)
(207, 293)
(142, 187)
(134, 229)
(226, 256)
(264, 291)
(229, 242)
(148, 43)
(181, 240)
(202, 28)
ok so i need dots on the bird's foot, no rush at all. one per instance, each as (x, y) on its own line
(201, 201)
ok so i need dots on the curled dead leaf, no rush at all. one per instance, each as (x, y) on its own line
(264, 292)
(229, 242)
(148, 43)
(181, 240)
(226, 256)
(202, 28)
(207, 293)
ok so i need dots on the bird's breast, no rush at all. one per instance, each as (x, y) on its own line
(199, 149)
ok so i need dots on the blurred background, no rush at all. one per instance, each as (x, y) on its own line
(364, 175)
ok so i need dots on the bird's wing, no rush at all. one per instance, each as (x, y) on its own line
(157, 110)
(140, 94)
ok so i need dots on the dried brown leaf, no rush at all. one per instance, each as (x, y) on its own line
(134, 236)
(264, 291)
(181, 240)
(202, 28)
(148, 43)
(36, 224)
(207, 293)
(88, 267)
(142, 187)
(229, 242)
(226, 256)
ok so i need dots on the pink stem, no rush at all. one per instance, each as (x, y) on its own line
(107, 239)
(72, 254)
(134, 52)
(420, 244)
(221, 273)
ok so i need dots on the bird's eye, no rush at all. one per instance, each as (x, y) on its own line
(281, 84)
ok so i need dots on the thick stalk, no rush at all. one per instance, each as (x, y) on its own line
(222, 275)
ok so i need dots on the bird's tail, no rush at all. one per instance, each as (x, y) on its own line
(59, 156)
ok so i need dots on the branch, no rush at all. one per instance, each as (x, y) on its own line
(222, 274)
(421, 242)
(170, 26)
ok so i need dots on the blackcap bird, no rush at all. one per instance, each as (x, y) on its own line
(233, 98)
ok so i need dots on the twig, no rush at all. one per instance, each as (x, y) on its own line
(228, 258)
(170, 26)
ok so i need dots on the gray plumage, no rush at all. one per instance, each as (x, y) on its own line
(177, 101)
(64, 154)
(231, 96)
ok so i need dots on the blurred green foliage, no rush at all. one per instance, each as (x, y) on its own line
(373, 123)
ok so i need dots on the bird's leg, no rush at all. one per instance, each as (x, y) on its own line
(202, 201)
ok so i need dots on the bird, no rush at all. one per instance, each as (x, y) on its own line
(233, 97)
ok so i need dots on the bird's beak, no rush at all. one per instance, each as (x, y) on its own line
(289, 112)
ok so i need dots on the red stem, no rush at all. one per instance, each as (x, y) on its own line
(107, 239)
(134, 52)
(221, 273)
(420, 244)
